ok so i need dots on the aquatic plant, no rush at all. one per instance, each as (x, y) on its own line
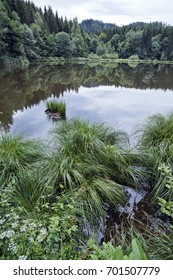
(91, 161)
(56, 106)
(97, 149)
(84, 135)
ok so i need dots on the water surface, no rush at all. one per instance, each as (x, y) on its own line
(119, 95)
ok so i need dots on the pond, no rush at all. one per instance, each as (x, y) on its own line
(118, 95)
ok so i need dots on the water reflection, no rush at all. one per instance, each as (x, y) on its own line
(120, 96)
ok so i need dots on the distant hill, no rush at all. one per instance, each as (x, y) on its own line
(137, 24)
(95, 26)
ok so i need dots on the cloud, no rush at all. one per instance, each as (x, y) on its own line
(117, 11)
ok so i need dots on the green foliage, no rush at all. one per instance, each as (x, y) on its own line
(101, 49)
(29, 43)
(156, 139)
(134, 57)
(56, 107)
(21, 18)
(158, 243)
(63, 44)
(108, 252)
(88, 163)
(93, 56)
(50, 232)
(16, 154)
(93, 194)
(157, 130)
(88, 157)
(156, 136)
(166, 205)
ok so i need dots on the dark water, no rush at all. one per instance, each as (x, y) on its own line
(118, 95)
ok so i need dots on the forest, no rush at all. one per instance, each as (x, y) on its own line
(33, 34)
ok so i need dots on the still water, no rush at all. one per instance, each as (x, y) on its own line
(118, 95)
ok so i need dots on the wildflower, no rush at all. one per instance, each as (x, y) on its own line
(12, 247)
(9, 233)
(42, 235)
(31, 239)
(40, 238)
(14, 225)
(23, 228)
(43, 231)
(32, 225)
(16, 217)
(3, 235)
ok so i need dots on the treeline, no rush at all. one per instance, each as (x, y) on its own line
(27, 31)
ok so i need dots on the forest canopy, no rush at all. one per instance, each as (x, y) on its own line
(32, 33)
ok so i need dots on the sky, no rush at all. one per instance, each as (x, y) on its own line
(120, 12)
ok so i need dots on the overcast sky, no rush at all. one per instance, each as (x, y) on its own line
(120, 12)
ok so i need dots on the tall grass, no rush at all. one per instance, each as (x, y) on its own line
(82, 135)
(97, 150)
(93, 194)
(17, 153)
(92, 160)
(30, 189)
(157, 129)
(156, 140)
(56, 107)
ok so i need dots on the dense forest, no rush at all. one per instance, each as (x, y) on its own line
(29, 32)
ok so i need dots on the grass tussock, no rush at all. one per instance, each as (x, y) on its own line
(92, 150)
(17, 153)
(157, 130)
(56, 107)
(156, 140)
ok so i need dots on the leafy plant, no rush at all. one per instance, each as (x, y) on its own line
(166, 205)
(108, 252)
(49, 232)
